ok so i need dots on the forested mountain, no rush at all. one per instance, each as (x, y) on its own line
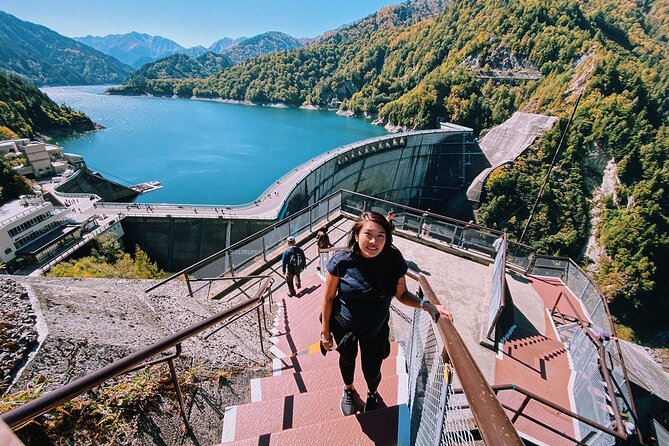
(26, 112)
(175, 66)
(265, 43)
(134, 49)
(180, 66)
(45, 57)
(478, 62)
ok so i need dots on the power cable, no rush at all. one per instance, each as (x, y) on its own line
(550, 169)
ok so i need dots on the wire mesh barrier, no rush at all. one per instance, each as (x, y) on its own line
(590, 394)
(438, 416)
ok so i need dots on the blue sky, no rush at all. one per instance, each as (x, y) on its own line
(194, 22)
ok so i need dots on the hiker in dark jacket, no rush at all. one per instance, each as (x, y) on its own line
(293, 262)
(359, 287)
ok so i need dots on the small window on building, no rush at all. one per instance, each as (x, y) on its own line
(8, 250)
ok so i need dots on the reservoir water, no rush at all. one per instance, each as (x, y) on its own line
(203, 152)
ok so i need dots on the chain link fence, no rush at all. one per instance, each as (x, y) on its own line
(438, 415)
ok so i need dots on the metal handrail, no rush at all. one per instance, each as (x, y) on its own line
(494, 426)
(542, 400)
(221, 253)
(602, 358)
(38, 406)
(608, 316)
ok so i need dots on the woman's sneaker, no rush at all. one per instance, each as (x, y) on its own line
(346, 403)
(372, 402)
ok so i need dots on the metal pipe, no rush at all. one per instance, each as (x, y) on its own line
(177, 387)
(494, 425)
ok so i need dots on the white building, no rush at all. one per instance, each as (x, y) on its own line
(25, 220)
(42, 159)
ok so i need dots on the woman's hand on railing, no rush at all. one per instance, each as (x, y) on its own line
(437, 311)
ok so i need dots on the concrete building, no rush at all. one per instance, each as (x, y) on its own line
(42, 159)
(24, 221)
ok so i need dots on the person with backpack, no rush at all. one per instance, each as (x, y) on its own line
(293, 263)
(323, 240)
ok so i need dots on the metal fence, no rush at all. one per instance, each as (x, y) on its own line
(591, 395)
(437, 415)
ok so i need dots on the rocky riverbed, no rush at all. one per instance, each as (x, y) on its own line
(75, 326)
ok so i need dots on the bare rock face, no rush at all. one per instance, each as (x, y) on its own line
(18, 334)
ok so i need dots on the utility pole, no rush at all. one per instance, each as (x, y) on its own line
(550, 168)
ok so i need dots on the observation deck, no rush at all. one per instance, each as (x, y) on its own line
(528, 341)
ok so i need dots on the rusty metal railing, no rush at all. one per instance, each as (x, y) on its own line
(493, 424)
(530, 396)
(134, 361)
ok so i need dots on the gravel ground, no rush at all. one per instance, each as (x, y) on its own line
(84, 324)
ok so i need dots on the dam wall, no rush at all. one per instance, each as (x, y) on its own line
(426, 169)
(176, 243)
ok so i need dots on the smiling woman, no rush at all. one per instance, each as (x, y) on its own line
(359, 287)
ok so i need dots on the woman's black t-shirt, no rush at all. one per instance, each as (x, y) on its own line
(365, 289)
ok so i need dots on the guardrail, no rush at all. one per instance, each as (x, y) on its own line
(452, 233)
(432, 350)
(13, 218)
(134, 361)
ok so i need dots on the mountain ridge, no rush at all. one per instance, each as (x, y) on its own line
(41, 55)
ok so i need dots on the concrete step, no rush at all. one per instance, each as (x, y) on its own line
(295, 310)
(272, 387)
(388, 426)
(292, 411)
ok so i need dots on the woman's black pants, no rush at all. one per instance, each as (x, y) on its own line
(372, 353)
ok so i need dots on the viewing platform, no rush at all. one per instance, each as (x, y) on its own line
(534, 328)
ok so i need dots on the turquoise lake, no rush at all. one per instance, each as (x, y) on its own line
(203, 152)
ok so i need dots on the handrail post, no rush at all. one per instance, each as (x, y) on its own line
(262, 346)
(264, 249)
(190, 290)
(177, 387)
(232, 268)
(522, 407)
(311, 220)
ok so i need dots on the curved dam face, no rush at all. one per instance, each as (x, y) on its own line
(428, 169)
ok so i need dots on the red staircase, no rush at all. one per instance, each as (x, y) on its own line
(299, 404)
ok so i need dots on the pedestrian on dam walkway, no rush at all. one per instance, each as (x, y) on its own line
(360, 284)
(293, 262)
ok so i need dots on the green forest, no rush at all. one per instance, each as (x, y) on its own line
(478, 62)
(26, 112)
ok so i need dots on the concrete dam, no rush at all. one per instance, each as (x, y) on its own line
(428, 169)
